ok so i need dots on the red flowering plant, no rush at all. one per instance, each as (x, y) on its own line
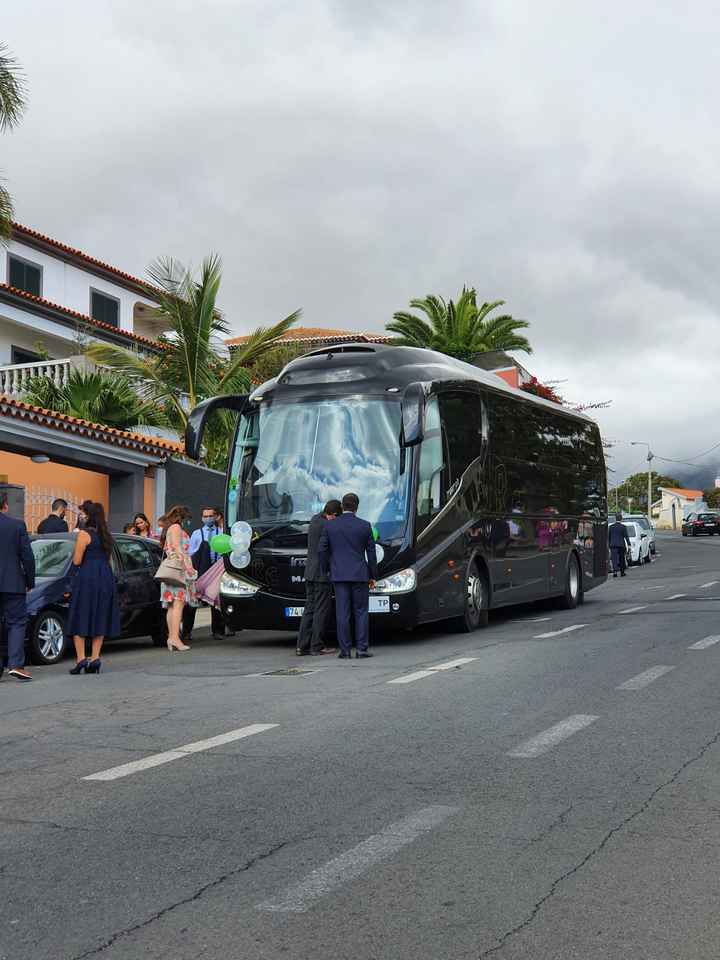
(534, 386)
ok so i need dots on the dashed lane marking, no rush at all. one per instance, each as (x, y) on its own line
(704, 586)
(531, 620)
(557, 633)
(298, 897)
(642, 606)
(704, 643)
(431, 671)
(645, 678)
(676, 596)
(156, 759)
(536, 746)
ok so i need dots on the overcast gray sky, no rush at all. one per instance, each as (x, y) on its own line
(344, 156)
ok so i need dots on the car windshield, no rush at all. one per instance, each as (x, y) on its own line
(290, 459)
(631, 529)
(51, 556)
(707, 516)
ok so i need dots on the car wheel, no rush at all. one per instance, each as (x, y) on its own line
(48, 642)
(477, 596)
(573, 588)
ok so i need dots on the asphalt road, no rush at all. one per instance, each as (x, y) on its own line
(552, 795)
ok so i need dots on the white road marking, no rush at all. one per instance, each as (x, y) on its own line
(429, 671)
(658, 586)
(676, 596)
(704, 644)
(536, 746)
(157, 759)
(642, 606)
(411, 677)
(556, 633)
(531, 620)
(704, 586)
(644, 678)
(298, 897)
(450, 664)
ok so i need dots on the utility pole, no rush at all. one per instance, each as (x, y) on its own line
(650, 458)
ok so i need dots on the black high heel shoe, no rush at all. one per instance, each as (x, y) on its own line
(80, 666)
(94, 666)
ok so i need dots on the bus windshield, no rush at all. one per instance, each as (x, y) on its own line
(291, 458)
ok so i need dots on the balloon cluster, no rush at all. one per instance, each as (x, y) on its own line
(237, 544)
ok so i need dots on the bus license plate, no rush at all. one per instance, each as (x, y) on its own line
(379, 605)
(294, 611)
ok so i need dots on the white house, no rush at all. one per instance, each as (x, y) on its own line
(675, 503)
(54, 297)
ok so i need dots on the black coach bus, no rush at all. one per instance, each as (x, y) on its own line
(481, 495)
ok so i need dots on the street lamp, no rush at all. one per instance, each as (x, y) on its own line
(650, 457)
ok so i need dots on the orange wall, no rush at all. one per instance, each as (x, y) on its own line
(45, 481)
(149, 500)
(509, 376)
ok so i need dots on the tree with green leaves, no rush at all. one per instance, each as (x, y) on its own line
(12, 106)
(192, 364)
(459, 328)
(100, 397)
(270, 364)
(635, 488)
(712, 497)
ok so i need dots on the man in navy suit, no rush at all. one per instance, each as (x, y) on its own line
(17, 576)
(619, 545)
(347, 549)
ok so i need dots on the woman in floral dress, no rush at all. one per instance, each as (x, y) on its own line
(174, 597)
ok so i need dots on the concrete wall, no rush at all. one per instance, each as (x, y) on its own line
(69, 286)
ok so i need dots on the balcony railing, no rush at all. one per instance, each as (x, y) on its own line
(14, 379)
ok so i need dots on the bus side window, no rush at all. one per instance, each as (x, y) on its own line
(432, 465)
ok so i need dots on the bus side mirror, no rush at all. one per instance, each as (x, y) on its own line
(196, 421)
(413, 415)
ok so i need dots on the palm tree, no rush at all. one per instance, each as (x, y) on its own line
(100, 397)
(12, 106)
(459, 329)
(191, 366)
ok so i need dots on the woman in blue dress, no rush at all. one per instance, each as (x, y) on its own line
(94, 609)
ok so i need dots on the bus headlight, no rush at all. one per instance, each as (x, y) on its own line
(231, 586)
(402, 582)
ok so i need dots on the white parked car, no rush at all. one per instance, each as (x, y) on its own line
(642, 521)
(639, 551)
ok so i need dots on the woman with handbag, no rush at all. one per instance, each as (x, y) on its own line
(177, 574)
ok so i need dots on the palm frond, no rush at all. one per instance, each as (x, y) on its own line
(259, 342)
(6, 215)
(13, 89)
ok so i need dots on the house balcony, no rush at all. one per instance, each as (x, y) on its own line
(14, 378)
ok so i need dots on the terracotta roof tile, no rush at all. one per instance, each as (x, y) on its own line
(683, 492)
(22, 231)
(9, 406)
(90, 321)
(312, 334)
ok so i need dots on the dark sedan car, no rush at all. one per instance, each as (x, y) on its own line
(134, 562)
(701, 524)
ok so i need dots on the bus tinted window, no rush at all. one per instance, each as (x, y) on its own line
(431, 468)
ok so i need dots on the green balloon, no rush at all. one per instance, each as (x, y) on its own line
(376, 534)
(221, 544)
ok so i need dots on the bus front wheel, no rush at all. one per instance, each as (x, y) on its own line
(573, 588)
(477, 595)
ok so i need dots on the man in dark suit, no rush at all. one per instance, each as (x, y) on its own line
(347, 549)
(17, 576)
(318, 590)
(55, 522)
(619, 542)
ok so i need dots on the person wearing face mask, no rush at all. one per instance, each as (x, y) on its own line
(203, 557)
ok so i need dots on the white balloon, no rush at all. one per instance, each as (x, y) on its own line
(240, 560)
(240, 542)
(241, 528)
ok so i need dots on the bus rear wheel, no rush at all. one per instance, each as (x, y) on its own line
(573, 589)
(475, 614)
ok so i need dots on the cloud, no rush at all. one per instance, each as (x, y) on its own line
(344, 157)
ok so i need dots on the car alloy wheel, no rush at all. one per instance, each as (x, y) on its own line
(49, 641)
